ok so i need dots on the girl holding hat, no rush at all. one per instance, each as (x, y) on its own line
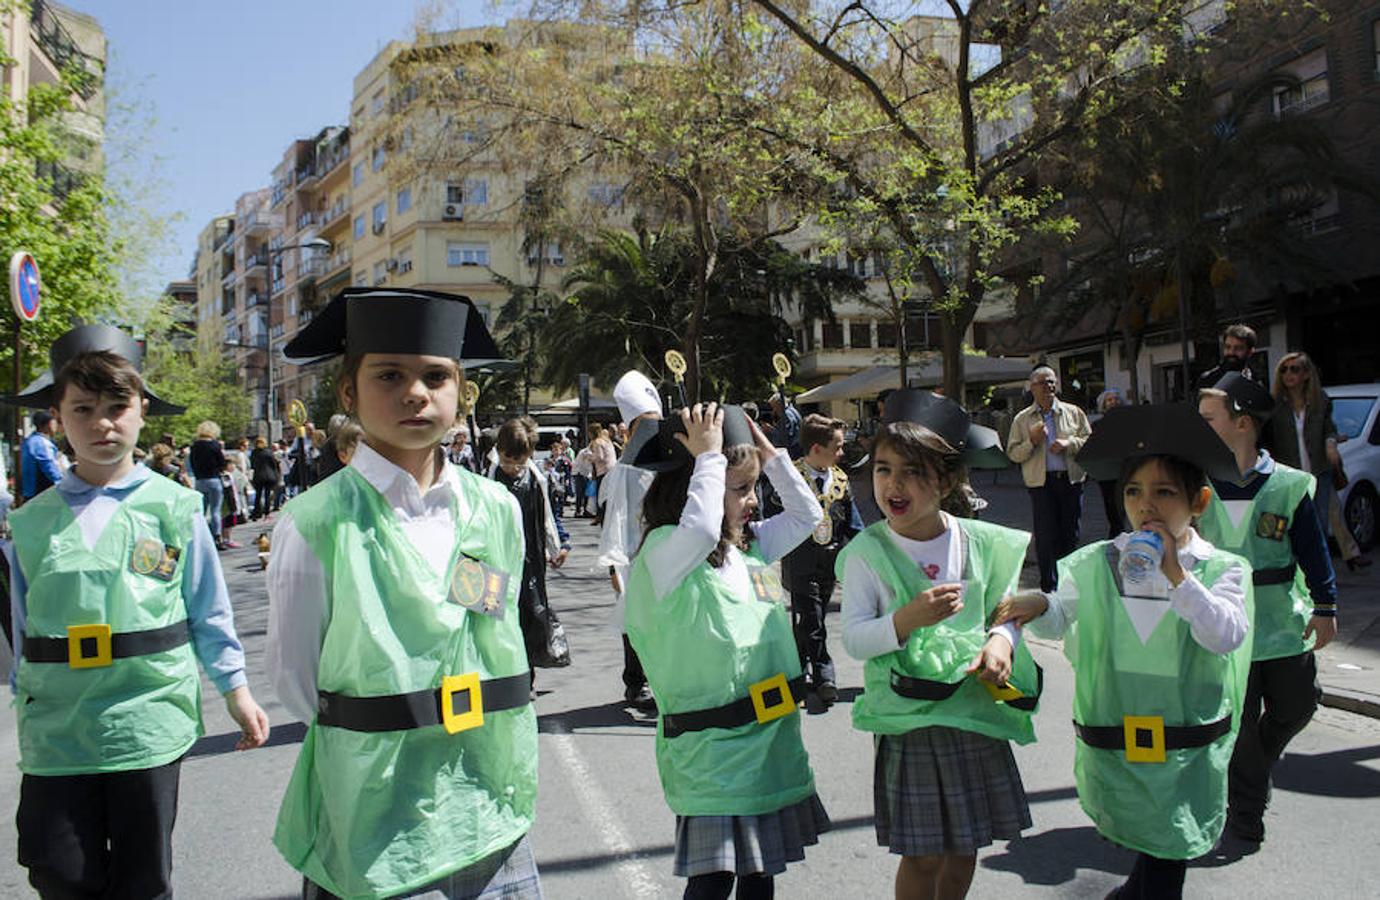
(393, 628)
(944, 695)
(707, 616)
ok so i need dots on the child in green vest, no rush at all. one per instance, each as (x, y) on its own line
(708, 619)
(1265, 512)
(1159, 652)
(393, 627)
(118, 593)
(944, 695)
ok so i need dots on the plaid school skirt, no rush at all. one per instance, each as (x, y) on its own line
(939, 790)
(748, 845)
(509, 874)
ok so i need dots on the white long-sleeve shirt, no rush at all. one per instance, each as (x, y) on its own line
(869, 630)
(1216, 615)
(298, 604)
(697, 533)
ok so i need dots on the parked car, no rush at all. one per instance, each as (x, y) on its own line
(1354, 409)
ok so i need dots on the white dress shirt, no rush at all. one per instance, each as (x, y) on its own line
(1216, 615)
(297, 584)
(869, 629)
(701, 522)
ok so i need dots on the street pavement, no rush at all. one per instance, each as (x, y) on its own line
(603, 830)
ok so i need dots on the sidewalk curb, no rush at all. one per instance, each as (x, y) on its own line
(1351, 701)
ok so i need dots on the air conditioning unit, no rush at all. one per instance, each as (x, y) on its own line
(406, 266)
(453, 212)
(392, 264)
(378, 227)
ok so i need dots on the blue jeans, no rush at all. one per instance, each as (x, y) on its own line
(212, 495)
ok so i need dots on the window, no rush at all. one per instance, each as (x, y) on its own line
(404, 200)
(357, 174)
(886, 335)
(550, 253)
(476, 191)
(359, 226)
(860, 334)
(292, 304)
(1312, 88)
(379, 214)
(377, 159)
(833, 336)
(454, 192)
(808, 329)
(404, 260)
(407, 137)
(605, 194)
(923, 332)
(376, 103)
(800, 338)
(380, 272)
(460, 253)
(857, 265)
(361, 279)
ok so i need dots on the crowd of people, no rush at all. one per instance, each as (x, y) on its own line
(409, 611)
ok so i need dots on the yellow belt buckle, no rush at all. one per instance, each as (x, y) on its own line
(1002, 693)
(1137, 728)
(88, 646)
(766, 711)
(473, 717)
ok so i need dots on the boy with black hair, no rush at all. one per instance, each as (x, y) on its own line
(1268, 517)
(117, 592)
(807, 572)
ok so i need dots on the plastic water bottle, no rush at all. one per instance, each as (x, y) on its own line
(1141, 558)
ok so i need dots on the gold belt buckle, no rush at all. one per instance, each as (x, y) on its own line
(1003, 692)
(769, 709)
(473, 717)
(1144, 738)
(88, 646)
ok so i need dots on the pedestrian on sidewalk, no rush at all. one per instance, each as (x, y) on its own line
(264, 469)
(706, 616)
(393, 628)
(1111, 398)
(625, 485)
(602, 458)
(118, 593)
(1267, 514)
(1160, 650)
(1045, 438)
(207, 462)
(808, 571)
(945, 781)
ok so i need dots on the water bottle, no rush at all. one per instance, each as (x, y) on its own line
(1141, 558)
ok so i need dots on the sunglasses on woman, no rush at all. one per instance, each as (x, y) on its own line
(1294, 368)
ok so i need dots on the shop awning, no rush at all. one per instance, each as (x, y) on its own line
(868, 383)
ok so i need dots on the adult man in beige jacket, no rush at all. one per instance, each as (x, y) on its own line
(1045, 438)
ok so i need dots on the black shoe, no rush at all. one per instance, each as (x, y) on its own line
(1249, 833)
(641, 699)
(1357, 562)
(828, 692)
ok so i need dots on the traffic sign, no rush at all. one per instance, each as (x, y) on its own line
(25, 286)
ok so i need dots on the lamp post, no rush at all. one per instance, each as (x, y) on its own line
(275, 253)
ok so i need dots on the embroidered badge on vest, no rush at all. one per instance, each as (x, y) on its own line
(1271, 527)
(154, 558)
(477, 587)
(766, 584)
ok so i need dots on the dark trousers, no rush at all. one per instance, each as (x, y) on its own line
(808, 608)
(263, 498)
(1153, 878)
(719, 886)
(1058, 509)
(1281, 697)
(107, 835)
(633, 677)
(1111, 508)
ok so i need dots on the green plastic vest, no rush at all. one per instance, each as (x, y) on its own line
(140, 711)
(703, 647)
(942, 652)
(1173, 809)
(377, 814)
(1262, 537)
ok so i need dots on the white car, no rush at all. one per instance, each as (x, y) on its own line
(1354, 409)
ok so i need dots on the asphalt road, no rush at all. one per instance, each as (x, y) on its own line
(603, 830)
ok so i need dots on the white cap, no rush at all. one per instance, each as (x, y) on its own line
(636, 396)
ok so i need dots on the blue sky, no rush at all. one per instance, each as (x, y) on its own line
(227, 86)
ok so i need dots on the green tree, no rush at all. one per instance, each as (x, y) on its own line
(203, 380)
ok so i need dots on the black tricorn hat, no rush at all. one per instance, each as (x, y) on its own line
(1160, 429)
(980, 445)
(1245, 395)
(397, 320)
(89, 339)
(664, 451)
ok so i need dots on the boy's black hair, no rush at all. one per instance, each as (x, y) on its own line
(1185, 474)
(100, 372)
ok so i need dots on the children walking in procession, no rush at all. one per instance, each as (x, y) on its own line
(943, 694)
(1155, 625)
(394, 628)
(708, 620)
(117, 593)
(1264, 511)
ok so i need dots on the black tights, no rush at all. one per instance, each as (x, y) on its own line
(1154, 879)
(719, 886)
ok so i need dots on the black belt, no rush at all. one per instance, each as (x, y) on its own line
(95, 646)
(925, 689)
(1145, 738)
(768, 699)
(1281, 575)
(452, 705)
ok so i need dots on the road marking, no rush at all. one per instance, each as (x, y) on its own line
(636, 877)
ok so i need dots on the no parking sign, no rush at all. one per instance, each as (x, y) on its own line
(25, 286)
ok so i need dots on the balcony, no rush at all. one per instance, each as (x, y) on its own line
(255, 299)
(311, 268)
(336, 213)
(279, 283)
(254, 261)
(227, 303)
(307, 219)
(337, 262)
(330, 161)
(305, 176)
(255, 223)
(229, 277)
(224, 239)
(59, 46)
